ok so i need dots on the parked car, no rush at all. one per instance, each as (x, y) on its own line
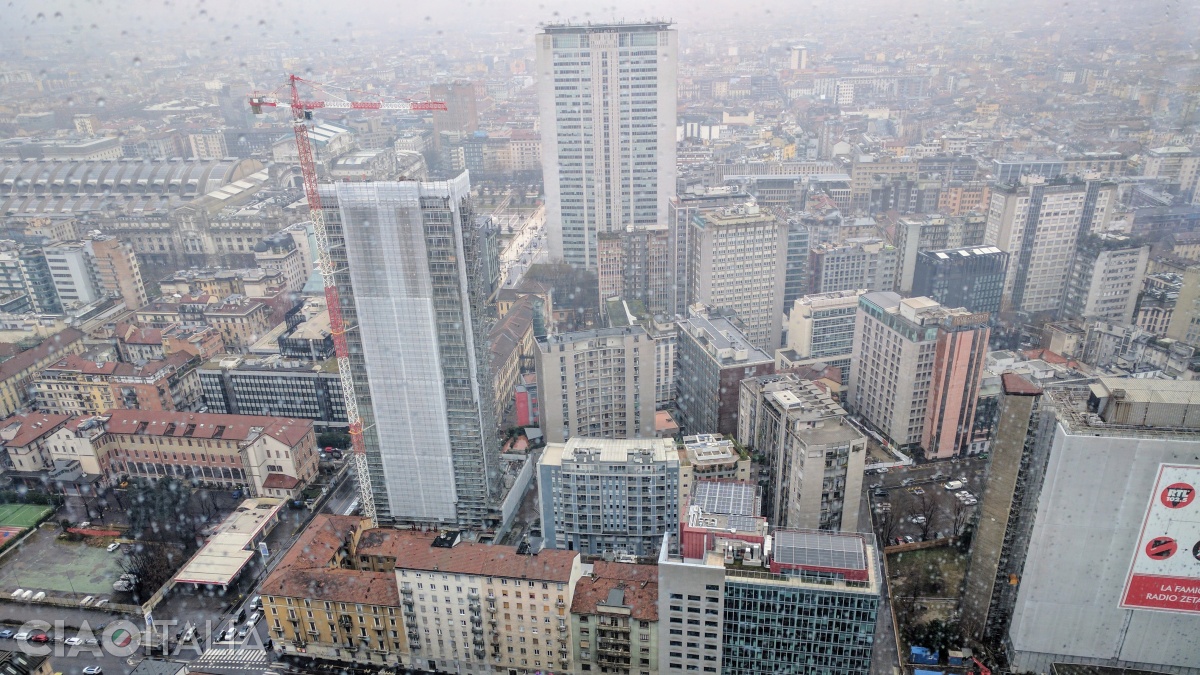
(256, 602)
(93, 670)
(970, 501)
(114, 546)
(6, 633)
(254, 617)
(907, 481)
(73, 641)
(918, 491)
(953, 485)
(23, 635)
(40, 638)
(920, 520)
(243, 632)
(908, 539)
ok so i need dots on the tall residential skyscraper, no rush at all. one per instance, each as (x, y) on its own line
(607, 99)
(1106, 277)
(412, 292)
(680, 211)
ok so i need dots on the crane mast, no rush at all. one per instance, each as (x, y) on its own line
(301, 114)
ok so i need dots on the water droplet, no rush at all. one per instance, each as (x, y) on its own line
(137, 62)
(100, 102)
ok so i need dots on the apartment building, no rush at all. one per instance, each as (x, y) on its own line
(814, 456)
(1107, 274)
(1039, 224)
(739, 258)
(18, 372)
(480, 607)
(604, 379)
(78, 386)
(1178, 166)
(633, 264)
(1184, 324)
(710, 457)
(601, 495)
(117, 272)
(71, 270)
(916, 370)
(808, 601)
(318, 602)
(614, 619)
(681, 210)
(714, 356)
(241, 321)
(857, 262)
(821, 328)
(24, 438)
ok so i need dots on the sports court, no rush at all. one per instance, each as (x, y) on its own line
(21, 515)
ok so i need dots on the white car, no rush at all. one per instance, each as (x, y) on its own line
(114, 546)
(23, 635)
(93, 670)
(920, 520)
(254, 617)
(73, 641)
(953, 485)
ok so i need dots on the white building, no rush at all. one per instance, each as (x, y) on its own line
(821, 328)
(600, 495)
(607, 96)
(1039, 225)
(72, 272)
(1106, 278)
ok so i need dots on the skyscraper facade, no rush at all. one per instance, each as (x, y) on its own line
(607, 99)
(412, 299)
(971, 277)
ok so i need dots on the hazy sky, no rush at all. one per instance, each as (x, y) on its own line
(116, 25)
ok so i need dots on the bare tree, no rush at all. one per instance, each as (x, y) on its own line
(926, 507)
(886, 523)
(959, 513)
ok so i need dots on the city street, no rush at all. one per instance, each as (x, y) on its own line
(943, 510)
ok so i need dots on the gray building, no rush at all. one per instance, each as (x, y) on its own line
(605, 380)
(814, 457)
(1107, 274)
(593, 120)
(410, 279)
(863, 262)
(714, 357)
(971, 277)
(680, 211)
(599, 495)
(1102, 473)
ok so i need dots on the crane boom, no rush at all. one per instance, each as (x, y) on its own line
(301, 113)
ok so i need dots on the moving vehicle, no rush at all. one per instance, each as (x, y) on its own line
(254, 617)
(243, 632)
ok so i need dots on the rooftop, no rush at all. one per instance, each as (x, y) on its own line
(22, 429)
(228, 550)
(309, 569)
(613, 584)
(414, 550)
(242, 428)
(723, 341)
(615, 450)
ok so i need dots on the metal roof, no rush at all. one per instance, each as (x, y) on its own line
(816, 548)
(726, 497)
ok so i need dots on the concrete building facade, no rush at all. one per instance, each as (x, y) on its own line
(821, 328)
(714, 357)
(606, 95)
(605, 380)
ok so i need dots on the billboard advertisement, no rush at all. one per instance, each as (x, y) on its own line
(1165, 574)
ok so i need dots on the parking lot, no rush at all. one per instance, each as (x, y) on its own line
(912, 502)
(61, 568)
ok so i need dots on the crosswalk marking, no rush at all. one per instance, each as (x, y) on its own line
(234, 656)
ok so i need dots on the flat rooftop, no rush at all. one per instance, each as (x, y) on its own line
(616, 450)
(228, 550)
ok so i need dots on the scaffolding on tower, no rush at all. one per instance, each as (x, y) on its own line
(302, 114)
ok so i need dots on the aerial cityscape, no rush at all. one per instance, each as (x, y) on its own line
(552, 338)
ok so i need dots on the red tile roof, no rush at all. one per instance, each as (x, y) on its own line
(47, 347)
(234, 427)
(638, 583)
(77, 363)
(31, 426)
(279, 481)
(414, 551)
(307, 569)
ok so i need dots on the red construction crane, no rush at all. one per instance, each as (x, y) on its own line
(301, 114)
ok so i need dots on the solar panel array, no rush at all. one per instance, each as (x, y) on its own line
(728, 498)
(819, 549)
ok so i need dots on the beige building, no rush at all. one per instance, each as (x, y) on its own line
(241, 321)
(25, 438)
(1185, 318)
(478, 608)
(597, 384)
(1176, 165)
(117, 271)
(710, 457)
(821, 328)
(17, 372)
(208, 145)
(738, 258)
(614, 619)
